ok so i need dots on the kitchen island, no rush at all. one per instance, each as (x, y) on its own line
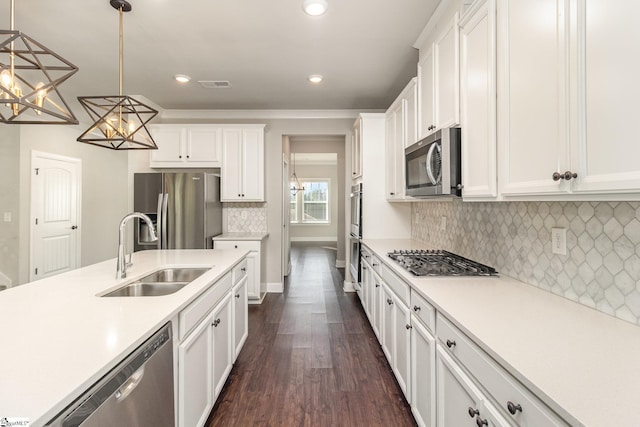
(580, 363)
(59, 336)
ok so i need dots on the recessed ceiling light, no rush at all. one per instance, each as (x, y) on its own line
(315, 79)
(182, 78)
(315, 7)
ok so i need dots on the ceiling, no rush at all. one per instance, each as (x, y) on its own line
(265, 49)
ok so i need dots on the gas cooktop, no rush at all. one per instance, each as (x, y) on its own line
(438, 262)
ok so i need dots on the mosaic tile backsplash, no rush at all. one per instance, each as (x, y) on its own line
(246, 217)
(602, 266)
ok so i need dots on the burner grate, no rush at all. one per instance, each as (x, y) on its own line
(439, 263)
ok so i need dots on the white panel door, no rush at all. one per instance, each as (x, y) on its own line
(426, 101)
(55, 215)
(253, 165)
(402, 347)
(423, 374)
(388, 324)
(169, 140)
(447, 69)
(222, 322)
(240, 316)
(204, 145)
(231, 171)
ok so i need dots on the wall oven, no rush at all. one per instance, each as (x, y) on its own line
(433, 166)
(356, 233)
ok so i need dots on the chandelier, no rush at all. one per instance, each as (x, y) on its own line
(29, 78)
(119, 120)
(296, 186)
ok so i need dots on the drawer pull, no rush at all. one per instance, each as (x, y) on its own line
(389, 301)
(375, 265)
(377, 285)
(451, 344)
(513, 407)
(238, 295)
(235, 246)
(216, 323)
(364, 267)
(408, 326)
(416, 308)
(473, 412)
(480, 422)
(243, 269)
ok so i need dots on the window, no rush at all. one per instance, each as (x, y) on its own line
(311, 205)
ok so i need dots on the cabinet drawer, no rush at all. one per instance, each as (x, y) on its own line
(397, 284)
(190, 316)
(239, 271)
(423, 310)
(507, 392)
(376, 264)
(365, 254)
(249, 245)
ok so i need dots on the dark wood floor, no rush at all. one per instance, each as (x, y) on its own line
(311, 358)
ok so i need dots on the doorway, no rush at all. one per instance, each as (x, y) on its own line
(55, 214)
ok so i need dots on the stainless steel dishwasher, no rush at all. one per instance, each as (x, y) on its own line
(136, 393)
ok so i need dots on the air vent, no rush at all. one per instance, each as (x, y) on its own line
(214, 84)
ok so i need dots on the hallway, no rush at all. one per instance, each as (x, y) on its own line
(311, 358)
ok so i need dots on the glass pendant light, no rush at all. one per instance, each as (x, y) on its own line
(296, 182)
(29, 78)
(119, 121)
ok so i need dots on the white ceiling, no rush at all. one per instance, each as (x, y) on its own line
(266, 49)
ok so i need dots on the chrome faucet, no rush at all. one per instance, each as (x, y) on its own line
(121, 271)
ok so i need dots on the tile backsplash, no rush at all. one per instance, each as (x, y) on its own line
(602, 265)
(246, 217)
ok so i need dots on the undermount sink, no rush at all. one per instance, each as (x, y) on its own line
(158, 283)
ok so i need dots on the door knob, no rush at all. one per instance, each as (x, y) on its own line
(74, 227)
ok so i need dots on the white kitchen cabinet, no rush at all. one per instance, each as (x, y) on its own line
(388, 324)
(195, 376)
(365, 287)
(426, 93)
(186, 146)
(240, 316)
(376, 305)
(256, 263)
(222, 343)
(423, 374)
(242, 172)
(396, 338)
(478, 101)
(356, 150)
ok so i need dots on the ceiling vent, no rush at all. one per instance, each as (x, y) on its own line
(214, 84)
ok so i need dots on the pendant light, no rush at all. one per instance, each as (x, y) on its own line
(296, 185)
(119, 121)
(29, 78)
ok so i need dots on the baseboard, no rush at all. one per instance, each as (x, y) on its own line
(315, 239)
(340, 263)
(275, 287)
(258, 300)
(348, 286)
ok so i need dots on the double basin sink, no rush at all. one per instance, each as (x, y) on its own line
(158, 283)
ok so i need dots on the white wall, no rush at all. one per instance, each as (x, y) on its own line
(9, 204)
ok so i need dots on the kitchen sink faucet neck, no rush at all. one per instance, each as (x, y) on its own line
(121, 271)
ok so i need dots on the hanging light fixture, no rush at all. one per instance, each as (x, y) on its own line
(29, 78)
(296, 182)
(119, 121)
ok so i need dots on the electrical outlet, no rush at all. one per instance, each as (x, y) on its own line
(559, 241)
(443, 223)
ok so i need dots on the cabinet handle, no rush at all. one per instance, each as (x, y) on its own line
(451, 344)
(377, 285)
(180, 156)
(353, 173)
(408, 326)
(364, 267)
(238, 195)
(238, 296)
(416, 308)
(389, 301)
(243, 269)
(375, 265)
(392, 194)
(187, 156)
(480, 422)
(216, 323)
(568, 175)
(235, 246)
(367, 256)
(473, 412)
(74, 227)
(243, 195)
(513, 407)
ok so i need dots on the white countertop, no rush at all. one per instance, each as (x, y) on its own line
(58, 337)
(241, 236)
(584, 364)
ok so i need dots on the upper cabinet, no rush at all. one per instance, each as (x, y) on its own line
(186, 146)
(356, 150)
(438, 81)
(242, 173)
(478, 101)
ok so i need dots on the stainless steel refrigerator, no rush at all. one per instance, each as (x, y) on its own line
(185, 208)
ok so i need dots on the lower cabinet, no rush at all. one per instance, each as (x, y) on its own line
(240, 314)
(396, 338)
(223, 346)
(256, 263)
(423, 374)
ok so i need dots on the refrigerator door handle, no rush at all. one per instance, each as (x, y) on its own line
(165, 205)
(159, 232)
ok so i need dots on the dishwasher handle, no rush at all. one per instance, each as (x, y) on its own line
(132, 382)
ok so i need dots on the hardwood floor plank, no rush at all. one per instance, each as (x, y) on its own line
(311, 358)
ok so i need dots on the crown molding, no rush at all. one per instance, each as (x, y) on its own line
(261, 114)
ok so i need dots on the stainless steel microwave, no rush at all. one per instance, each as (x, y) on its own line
(433, 166)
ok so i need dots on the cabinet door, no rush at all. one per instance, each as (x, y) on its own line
(169, 140)
(195, 377)
(402, 346)
(532, 89)
(376, 307)
(388, 324)
(222, 343)
(231, 171)
(356, 150)
(394, 173)
(423, 379)
(478, 101)
(204, 145)
(447, 71)
(240, 316)
(365, 274)
(410, 118)
(606, 151)
(426, 102)
(253, 275)
(253, 165)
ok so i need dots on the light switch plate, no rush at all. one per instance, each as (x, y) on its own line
(7, 217)
(559, 241)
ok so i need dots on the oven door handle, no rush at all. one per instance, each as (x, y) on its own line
(432, 178)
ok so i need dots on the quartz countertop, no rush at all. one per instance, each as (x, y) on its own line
(59, 337)
(580, 362)
(241, 236)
